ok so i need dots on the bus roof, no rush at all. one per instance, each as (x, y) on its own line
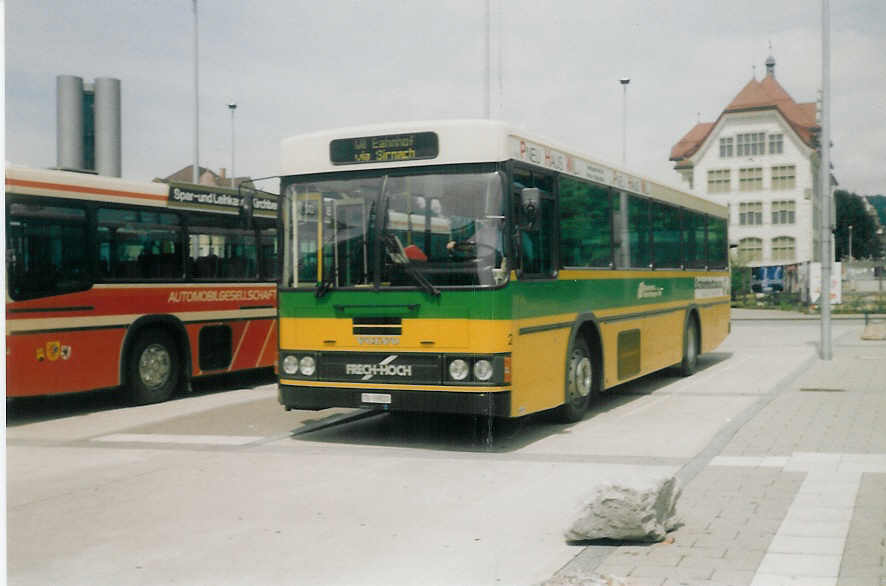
(68, 184)
(411, 144)
(86, 186)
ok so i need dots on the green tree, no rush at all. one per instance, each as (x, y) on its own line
(851, 212)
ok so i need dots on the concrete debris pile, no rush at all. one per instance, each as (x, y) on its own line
(628, 513)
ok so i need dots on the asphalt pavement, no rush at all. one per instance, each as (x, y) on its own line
(782, 457)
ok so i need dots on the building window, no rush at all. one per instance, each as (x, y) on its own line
(783, 248)
(750, 213)
(750, 179)
(725, 147)
(784, 177)
(776, 144)
(750, 249)
(749, 144)
(718, 181)
(784, 212)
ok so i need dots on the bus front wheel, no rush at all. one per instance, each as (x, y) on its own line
(579, 382)
(152, 368)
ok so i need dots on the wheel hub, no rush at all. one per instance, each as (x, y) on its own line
(154, 366)
(582, 373)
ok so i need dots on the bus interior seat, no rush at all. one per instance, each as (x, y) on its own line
(206, 267)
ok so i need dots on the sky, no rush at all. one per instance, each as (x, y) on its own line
(296, 66)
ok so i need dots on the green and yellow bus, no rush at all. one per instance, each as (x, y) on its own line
(467, 267)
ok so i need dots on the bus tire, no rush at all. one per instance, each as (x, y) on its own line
(690, 347)
(579, 382)
(153, 368)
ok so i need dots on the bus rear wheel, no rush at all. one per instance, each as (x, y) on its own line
(690, 348)
(579, 382)
(153, 368)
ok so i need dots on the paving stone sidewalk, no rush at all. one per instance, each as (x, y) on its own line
(797, 496)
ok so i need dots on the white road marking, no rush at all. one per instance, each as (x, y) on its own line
(158, 438)
(808, 547)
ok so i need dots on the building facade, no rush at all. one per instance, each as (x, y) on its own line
(759, 159)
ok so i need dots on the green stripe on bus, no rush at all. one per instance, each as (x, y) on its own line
(518, 300)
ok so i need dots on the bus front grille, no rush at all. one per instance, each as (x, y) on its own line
(378, 326)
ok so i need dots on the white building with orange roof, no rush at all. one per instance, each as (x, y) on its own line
(759, 159)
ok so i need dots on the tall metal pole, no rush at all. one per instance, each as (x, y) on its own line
(196, 174)
(487, 81)
(232, 106)
(826, 261)
(499, 91)
(624, 119)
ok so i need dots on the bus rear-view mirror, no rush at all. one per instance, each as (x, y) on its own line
(530, 202)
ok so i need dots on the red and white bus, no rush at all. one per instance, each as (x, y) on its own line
(144, 286)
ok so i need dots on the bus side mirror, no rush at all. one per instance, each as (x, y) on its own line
(530, 202)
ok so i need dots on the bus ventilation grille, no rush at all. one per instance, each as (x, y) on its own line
(378, 326)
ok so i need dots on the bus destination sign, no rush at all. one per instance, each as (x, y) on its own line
(219, 198)
(389, 148)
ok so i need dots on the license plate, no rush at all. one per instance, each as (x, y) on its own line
(382, 398)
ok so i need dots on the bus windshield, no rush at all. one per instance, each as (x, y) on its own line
(428, 231)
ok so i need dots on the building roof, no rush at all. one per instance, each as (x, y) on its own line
(766, 94)
(206, 177)
(690, 143)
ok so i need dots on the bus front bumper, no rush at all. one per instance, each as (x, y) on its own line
(495, 403)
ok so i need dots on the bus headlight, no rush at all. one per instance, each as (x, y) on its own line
(307, 365)
(290, 364)
(458, 369)
(483, 370)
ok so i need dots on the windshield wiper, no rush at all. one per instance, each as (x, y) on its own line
(324, 286)
(398, 256)
(328, 282)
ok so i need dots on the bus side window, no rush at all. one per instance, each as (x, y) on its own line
(666, 236)
(585, 224)
(46, 251)
(139, 244)
(694, 239)
(223, 253)
(536, 244)
(718, 255)
(639, 230)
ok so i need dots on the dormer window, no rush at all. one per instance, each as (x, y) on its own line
(750, 144)
(776, 144)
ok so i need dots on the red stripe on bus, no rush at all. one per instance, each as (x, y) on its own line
(144, 300)
(79, 189)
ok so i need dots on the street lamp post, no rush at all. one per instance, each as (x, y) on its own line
(826, 352)
(624, 118)
(850, 241)
(232, 106)
(487, 78)
(195, 175)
